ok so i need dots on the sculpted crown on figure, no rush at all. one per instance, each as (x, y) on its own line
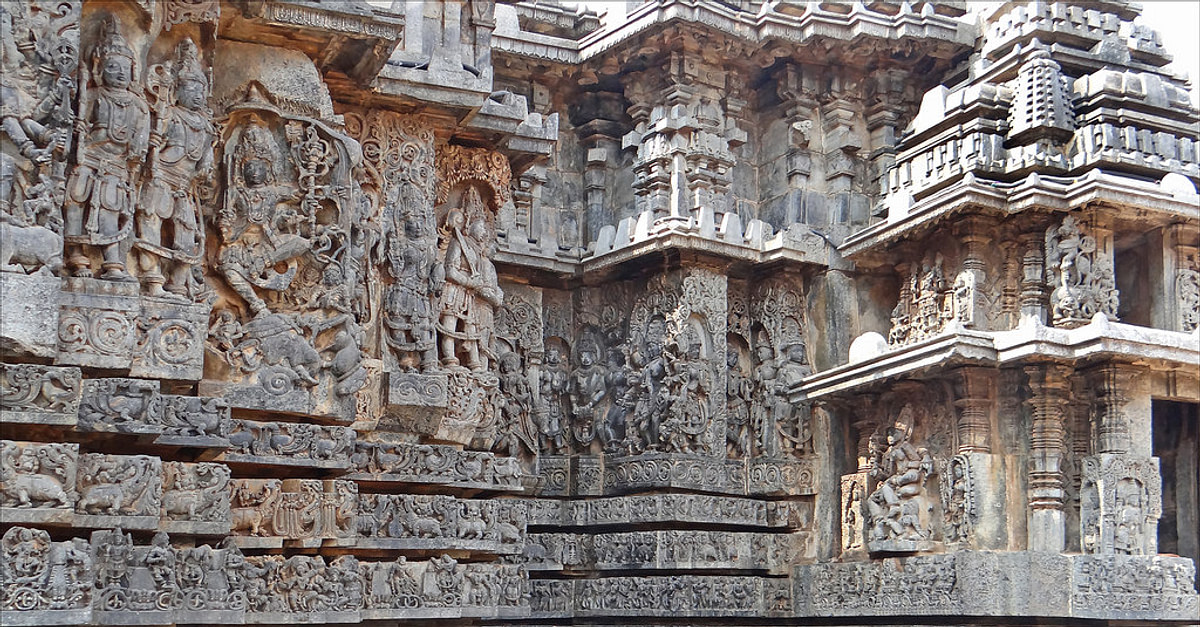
(114, 134)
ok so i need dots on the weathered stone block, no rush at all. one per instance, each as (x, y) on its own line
(415, 401)
(131, 406)
(119, 491)
(38, 484)
(45, 582)
(290, 444)
(97, 323)
(170, 340)
(29, 317)
(39, 394)
(195, 498)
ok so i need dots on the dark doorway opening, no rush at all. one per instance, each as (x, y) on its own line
(1176, 429)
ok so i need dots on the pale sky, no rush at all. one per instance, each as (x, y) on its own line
(1177, 21)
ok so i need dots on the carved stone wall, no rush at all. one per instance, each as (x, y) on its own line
(490, 314)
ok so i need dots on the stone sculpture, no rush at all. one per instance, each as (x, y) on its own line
(498, 313)
(470, 292)
(896, 508)
(179, 162)
(114, 135)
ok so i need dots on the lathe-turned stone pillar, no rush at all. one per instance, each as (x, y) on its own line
(1048, 387)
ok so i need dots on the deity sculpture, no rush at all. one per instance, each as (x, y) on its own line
(181, 158)
(894, 508)
(793, 421)
(516, 432)
(408, 313)
(762, 410)
(738, 395)
(616, 382)
(114, 129)
(555, 381)
(38, 63)
(587, 391)
(256, 221)
(653, 397)
(471, 291)
(688, 383)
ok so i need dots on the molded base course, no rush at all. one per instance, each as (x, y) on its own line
(981, 583)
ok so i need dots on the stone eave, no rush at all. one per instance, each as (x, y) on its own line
(332, 26)
(685, 243)
(755, 29)
(1098, 341)
(1033, 192)
(937, 353)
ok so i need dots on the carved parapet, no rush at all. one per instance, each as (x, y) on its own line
(97, 323)
(551, 598)
(119, 490)
(170, 340)
(44, 582)
(194, 421)
(664, 470)
(495, 591)
(195, 498)
(131, 406)
(964, 583)
(160, 583)
(385, 462)
(781, 477)
(37, 482)
(1120, 503)
(664, 508)
(665, 550)
(428, 522)
(303, 512)
(302, 589)
(29, 318)
(39, 394)
(675, 595)
(442, 588)
(407, 590)
(1126, 587)
(596, 476)
(290, 444)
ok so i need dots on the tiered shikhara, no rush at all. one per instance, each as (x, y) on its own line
(336, 313)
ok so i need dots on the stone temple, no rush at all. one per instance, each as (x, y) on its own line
(712, 313)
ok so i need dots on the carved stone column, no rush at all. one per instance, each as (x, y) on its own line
(1033, 279)
(976, 392)
(1048, 400)
(1111, 384)
(1121, 487)
(854, 486)
(1179, 309)
(976, 233)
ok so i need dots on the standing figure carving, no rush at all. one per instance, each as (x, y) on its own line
(114, 130)
(739, 393)
(653, 397)
(588, 391)
(689, 383)
(553, 387)
(181, 158)
(762, 408)
(471, 291)
(409, 315)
